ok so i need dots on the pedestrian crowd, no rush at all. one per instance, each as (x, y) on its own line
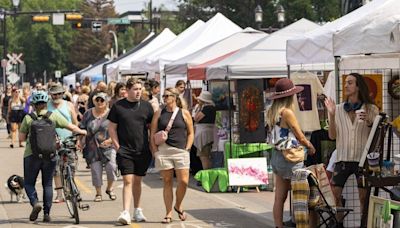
(118, 124)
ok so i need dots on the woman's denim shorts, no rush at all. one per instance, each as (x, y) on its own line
(281, 167)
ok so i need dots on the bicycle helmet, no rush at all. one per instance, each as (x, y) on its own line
(39, 96)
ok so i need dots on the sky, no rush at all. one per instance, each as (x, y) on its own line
(122, 6)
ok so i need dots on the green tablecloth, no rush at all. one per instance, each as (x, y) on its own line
(208, 178)
(242, 150)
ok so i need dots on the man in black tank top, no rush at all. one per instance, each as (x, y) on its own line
(129, 120)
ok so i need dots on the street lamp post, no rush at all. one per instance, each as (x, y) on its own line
(258, 17)
(156, 19)
(3, 15)
(116, 43)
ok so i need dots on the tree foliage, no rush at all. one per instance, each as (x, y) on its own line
(242, 11)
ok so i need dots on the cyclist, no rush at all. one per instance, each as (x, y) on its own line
(33, 164)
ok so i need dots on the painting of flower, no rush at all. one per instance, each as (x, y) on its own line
(247, 171)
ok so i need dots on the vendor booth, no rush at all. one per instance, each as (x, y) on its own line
(372, 47)
(240, 84)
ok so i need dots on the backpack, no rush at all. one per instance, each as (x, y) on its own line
(43, 137)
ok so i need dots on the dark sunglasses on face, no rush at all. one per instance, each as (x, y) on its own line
(167, 95)
(81, 102)
(99, 99)
(58, 94)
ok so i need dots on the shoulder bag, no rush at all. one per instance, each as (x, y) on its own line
(161, 136)
(291, 149)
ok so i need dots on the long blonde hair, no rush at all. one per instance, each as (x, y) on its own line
(273, 113)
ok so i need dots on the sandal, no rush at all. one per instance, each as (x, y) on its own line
(97, 198)
(166, 220)
(181, 214)
(58, 199)
(111, 194)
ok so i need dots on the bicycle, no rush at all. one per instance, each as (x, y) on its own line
(67, 153)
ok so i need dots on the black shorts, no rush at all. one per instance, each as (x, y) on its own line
(342, 172)
(133, 165)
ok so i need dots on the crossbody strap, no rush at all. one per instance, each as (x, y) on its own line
(171, 121)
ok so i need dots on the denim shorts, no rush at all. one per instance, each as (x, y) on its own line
(283, 168)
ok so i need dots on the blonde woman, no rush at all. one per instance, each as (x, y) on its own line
(283, 123)
(174, 153)
(15, 114)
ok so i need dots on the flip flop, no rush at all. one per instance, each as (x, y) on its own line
(97, 198)
(166, 220)
(111, 194)
(181, 214)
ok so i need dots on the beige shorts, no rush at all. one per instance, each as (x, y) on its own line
(168, 157)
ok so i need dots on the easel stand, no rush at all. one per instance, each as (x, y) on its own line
(377, 181)
(240, 187)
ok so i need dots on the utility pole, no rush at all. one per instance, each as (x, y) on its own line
(151, 15)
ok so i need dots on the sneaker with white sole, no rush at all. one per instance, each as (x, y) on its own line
(138, 215)
(124, 218)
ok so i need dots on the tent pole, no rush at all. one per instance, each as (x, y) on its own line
(230, 117)
(337, 75)
(288, 71)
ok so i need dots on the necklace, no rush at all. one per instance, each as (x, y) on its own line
(134, 109)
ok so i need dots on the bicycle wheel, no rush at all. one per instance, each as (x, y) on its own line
(67, 193)
(74, 194)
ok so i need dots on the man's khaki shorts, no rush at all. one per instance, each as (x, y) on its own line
(169, 157)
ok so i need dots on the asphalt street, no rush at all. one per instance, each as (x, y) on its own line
(248, 209)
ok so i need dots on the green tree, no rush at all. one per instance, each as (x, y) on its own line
(89, 46)
(242, 11)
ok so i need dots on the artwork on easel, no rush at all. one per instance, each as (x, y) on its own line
(247, 171)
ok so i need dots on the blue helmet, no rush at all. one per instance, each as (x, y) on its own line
(39, 96)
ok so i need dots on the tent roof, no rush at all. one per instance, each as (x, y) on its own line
(262, 58)
(214, 51)
(378, 32)
(95, 69)
(215, 29)
(159, 41)
(141, 64)
(316, 46)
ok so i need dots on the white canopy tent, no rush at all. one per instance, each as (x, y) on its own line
(144, 64)
(94, 72)
(211, 52)
(70, 79)
(378, 32)
(123, 63)
(263, 58)
(317, 46)
(215, 29)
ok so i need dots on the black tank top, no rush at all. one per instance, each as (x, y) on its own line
(177, 136)
(6, 100)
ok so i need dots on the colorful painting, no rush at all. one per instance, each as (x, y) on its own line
(375, 86)
(251, 107)
(220, 94)
(247, 171)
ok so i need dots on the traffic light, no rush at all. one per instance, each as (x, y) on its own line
(73, 17)
(77, 25)
(41, 18)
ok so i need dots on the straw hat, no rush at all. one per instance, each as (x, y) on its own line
(284, 88)
(206, 97)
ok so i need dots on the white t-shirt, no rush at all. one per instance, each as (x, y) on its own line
(306, 102)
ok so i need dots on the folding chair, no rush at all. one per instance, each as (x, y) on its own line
(329, 220)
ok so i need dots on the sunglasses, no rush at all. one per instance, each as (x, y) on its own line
(81, 102)
(99, 99)
(58, 94)
(167, 95)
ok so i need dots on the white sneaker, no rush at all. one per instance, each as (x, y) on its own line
(138, 216)
(124, 218)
